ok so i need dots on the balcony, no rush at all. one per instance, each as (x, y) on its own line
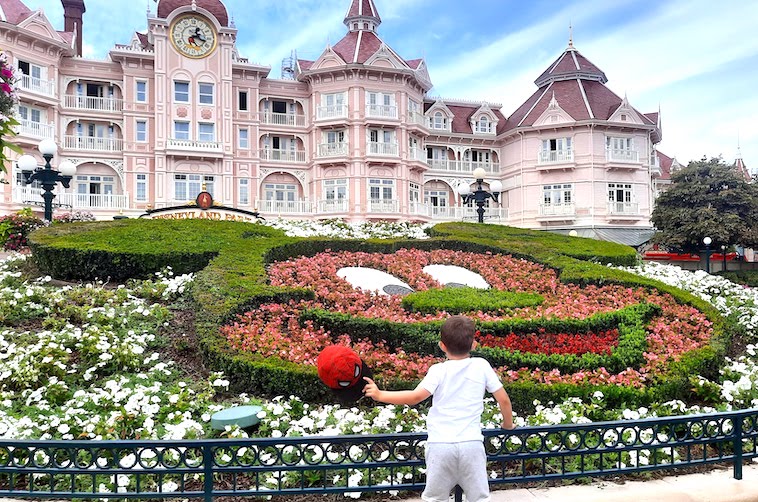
(197, 148)
(383, 149)
(383, 206)
(282, 119)
(562, 212)
(331, 112)
(285, 207)
(459, 213)
(332, 150)
(462, 166)
(93, 144)
(418, 119)
(37, 85)
(332, 206)
(35, 129)
(555, 157)
(624, 209)
(417, 154)
(91, 103)
(382, 111)
(626, 156)
(290, 156)
(75, 201)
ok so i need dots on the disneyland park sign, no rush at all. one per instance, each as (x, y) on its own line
(203, 209)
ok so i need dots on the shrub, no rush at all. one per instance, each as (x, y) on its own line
(14, 229)
(460, 300)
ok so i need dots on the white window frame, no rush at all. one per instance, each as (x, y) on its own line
(280, 192)
(140, 133)
(206, 132)
(627, 189)
(191, 185)
(186, 134)
(335, 189)
(438, 121)
(140, 192)
(140, 94)
(558, 194)
(206, 93)
(243, 138)
(181, 96)
(244, 192)
(381, 189)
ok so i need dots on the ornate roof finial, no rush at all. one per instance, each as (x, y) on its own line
(194, 5)
(571, 36)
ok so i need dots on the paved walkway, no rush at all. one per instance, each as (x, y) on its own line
(714, 486)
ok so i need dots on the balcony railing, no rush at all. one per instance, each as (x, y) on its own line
(456, 213)
(195, 146)
(332, 206)
(417, 154)
(632, 156)
(624, 208)
(274, 155)
(37, 85)
(566, 209)
(331, 112)
(383, 206)
(93, 103)
(381, 111)
(332, 149)
(555, 156)
(35, 129)
(385, 149)
(67, 200)
(282, 119)
(286, 206)
(418, 119)
(462, 166)
(93, 144)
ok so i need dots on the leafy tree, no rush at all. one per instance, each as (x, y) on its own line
(707, 198)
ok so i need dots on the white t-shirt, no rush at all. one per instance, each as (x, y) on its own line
(457, 387)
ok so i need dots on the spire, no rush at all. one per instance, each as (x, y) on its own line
(571, 36)
(362, 15)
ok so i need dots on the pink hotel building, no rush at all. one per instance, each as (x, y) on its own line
(352, 135)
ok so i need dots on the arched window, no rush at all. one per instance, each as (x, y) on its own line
(484, 124)
(439, 121)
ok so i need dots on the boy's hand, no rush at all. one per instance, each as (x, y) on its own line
(371, 390)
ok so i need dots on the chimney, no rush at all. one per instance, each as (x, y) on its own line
(73, 11)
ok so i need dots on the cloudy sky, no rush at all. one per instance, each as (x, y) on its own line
(696, 60)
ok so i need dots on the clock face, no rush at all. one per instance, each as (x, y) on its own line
(193, 36)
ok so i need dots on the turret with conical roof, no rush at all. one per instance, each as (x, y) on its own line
(362, 15)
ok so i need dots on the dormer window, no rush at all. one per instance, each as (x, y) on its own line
(483, 125)
(438, 121)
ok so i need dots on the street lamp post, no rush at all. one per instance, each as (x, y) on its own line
(47, 176)
(707, 241)
(480, 196)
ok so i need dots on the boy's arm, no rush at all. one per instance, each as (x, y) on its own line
(505, 407)
(408, 397)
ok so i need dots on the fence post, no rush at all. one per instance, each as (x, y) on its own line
(737, 426)
(208, 472)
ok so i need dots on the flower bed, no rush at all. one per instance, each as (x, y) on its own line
(287, 332)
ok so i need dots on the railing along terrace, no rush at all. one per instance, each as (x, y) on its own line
(362, 463)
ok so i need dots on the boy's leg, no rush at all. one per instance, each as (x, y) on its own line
(441, 471)
(472, 471)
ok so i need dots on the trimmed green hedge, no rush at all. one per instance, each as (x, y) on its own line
(230, 260)
(465, 299)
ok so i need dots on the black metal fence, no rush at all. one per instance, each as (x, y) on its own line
(343, 464)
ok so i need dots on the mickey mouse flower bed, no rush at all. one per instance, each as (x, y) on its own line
(552, 332)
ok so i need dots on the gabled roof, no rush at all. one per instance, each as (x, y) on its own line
(14, 11)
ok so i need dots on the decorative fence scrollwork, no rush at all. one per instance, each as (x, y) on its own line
(344, 464)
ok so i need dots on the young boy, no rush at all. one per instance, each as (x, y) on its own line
(455, 449)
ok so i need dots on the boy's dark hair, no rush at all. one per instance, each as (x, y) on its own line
(458, 335)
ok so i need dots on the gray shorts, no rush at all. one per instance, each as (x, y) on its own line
(450, 464)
